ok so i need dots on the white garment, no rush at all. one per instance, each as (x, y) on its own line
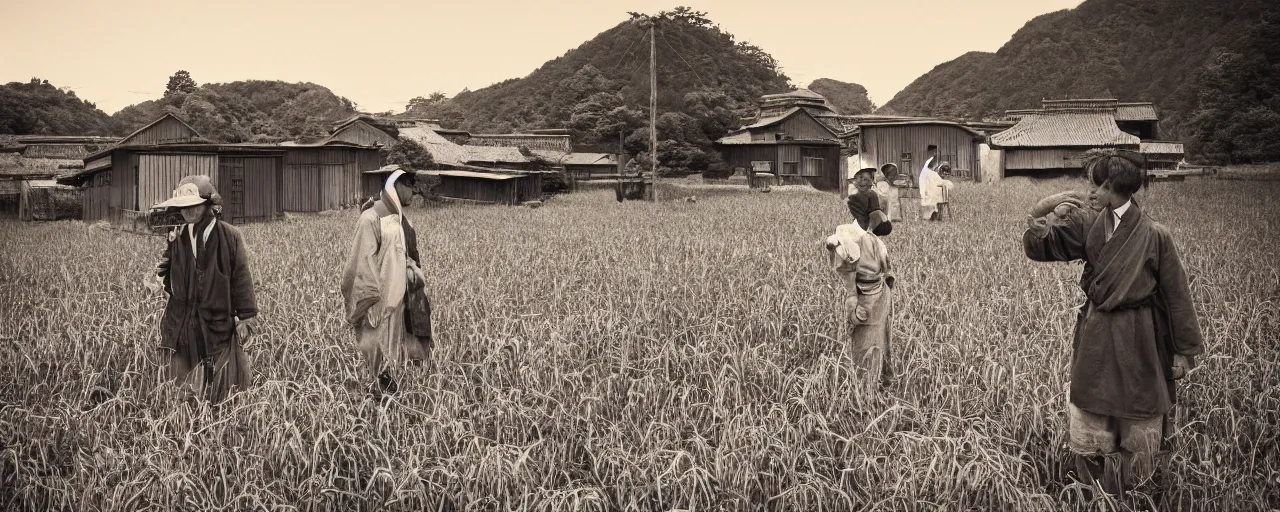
(1118, 213)
(933, 190)
(191, 235)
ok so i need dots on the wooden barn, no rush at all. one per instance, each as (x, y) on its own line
(905, 142)
(487, 187)
(792, 147)
(32, 161)
(1161, 155)
(47, 200)
(256, 181)
(1049, 140)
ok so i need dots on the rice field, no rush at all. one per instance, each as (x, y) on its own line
(593, 355)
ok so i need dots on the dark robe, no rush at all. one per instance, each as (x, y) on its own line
(1138, 312)
(207, 292)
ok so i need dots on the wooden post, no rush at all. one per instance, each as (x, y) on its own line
(653, 106)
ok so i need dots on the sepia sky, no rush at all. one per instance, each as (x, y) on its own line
(381, 54)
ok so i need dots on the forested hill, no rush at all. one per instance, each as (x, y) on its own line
(1165, 51)
(847, 98)
(244, 111)
(40, 108)
(706, 81)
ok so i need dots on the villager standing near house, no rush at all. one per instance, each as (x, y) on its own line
(861, 260)
(866, 206)
(384, 288)
(886, 186)
(211, 309)
(934, 190)
(1137, 332)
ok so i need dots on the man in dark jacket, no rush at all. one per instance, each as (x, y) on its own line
(211, 309)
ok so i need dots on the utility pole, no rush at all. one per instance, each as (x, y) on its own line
(653, 105)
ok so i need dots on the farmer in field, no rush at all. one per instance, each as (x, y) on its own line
(934, 190)
(865, 206)
(862, 261)
(211, 310)
(1137, 331)
(383, 286)
(888, 189)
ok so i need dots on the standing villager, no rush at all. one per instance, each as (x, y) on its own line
(211, 309)
(384, 288)
(934, 189)
(865, 204)
(862, 262)
(886, 186)
(1137, 331)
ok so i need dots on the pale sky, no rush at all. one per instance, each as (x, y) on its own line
(380, 54)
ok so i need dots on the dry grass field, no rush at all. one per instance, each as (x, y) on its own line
(593, 355)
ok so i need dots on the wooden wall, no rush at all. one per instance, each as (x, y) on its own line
(1043, 158)
(159, 174)
(97, 198)
(879, 145)
(800, 126)
(318, 179)
(479, 189)
(248, 186)
(362, 133)
(168, 131)
(824, 176)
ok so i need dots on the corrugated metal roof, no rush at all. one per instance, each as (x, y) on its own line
(1136, 112)
(469, 174)
(1055, 129)
(1161, 148)
(590, 159)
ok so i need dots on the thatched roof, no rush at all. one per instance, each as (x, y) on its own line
(15, 166)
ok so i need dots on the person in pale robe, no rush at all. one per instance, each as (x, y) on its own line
(862, 262)
(933, 189)
(1137, 331)
(885, 179)
(377, 272)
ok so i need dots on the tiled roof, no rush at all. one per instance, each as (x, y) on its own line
(766, 121)
(1050, 129)
(503, 154)
(1164, 148)
(1136, 112)
(470, 174)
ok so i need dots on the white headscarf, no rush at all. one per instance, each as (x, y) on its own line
(389, 190)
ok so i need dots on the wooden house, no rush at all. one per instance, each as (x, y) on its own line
(487, 187)
(47, 200)
(256, 181)
(1161, 155)
(789, 148)
(905, 142)
(1056, 139)
(31, 161)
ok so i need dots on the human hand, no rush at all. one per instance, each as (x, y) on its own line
(245, 328)
(1181, 365)
(1038, 225)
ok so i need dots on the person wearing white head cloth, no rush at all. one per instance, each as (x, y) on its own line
(211, 310)
(382, 271)
(862, 261)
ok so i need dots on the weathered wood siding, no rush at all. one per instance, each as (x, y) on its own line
(479, 189)
(362, 133)
(907, 146)
(97, 198)
(249, 187)
(317, 179)
(797, 163)
(1046, 158)
(799, 126)
(167, 131)
(159, 174)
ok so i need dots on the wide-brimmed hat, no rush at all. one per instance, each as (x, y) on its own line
(191, 191)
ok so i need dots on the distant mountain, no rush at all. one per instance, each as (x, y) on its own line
(246, 111)
(847, 98)
(706, 81)
(1131, 50)
(40, 108)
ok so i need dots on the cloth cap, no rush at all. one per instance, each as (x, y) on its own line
(192, 190)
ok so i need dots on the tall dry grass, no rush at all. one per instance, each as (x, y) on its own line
(602, 356)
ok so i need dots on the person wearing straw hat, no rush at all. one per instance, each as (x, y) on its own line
(211, 310)
(383, 287)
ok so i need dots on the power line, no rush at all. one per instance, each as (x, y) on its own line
(686, 63)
